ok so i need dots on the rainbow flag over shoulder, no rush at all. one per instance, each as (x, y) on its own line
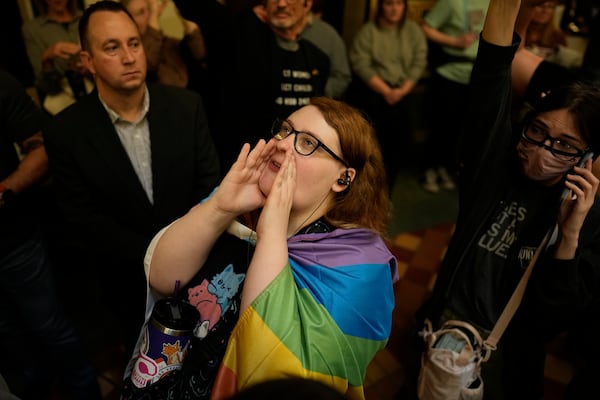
(323, 317)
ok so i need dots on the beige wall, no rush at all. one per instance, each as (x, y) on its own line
(353, 18)
(26, 9)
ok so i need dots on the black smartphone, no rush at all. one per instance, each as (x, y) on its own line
(587, 156)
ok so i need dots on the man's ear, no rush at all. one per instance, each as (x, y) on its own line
(86, 60)
(260, 11)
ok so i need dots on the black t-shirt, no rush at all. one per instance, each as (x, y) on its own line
(216, 293)
(250, 74)
(298, 75)
(499, 256)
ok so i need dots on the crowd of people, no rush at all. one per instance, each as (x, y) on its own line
(247, 169)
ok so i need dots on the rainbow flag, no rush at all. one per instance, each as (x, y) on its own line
(323, 317)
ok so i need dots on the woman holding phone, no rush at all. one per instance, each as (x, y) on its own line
(512, 179)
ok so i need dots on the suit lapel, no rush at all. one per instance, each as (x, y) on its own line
(161, 142)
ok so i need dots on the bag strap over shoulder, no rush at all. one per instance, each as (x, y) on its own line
(512, 305)
(490, 343)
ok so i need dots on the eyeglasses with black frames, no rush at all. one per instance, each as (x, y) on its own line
(561, 148)
(305, 143)
(290, 2)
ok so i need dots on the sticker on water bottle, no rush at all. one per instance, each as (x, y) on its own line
(163, 349)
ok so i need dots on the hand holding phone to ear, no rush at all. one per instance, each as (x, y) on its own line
(582, 164)
(578, 197)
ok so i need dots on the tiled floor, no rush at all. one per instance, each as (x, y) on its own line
(419, 254)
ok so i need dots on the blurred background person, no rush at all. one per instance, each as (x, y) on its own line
(52, 44)
(325, 37)
(259, 69)
(452, 27)
(578, 15)
(546, 39)
(389, 56)
(312, 27)
(171, 61)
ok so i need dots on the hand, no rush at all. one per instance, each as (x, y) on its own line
(239, 193)
(583, 185)
(271, 252)
(275, 215)
(394, 96)
(465, 40)
(157, 7)
(64, 50)
(188, 26)
(75, 64)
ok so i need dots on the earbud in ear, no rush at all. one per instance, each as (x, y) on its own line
(346, 181)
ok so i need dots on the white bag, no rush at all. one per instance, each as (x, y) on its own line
(451, 363)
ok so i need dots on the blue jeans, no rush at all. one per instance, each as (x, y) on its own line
(40, 346)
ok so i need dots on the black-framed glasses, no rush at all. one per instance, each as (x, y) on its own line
(305, 143)
(290, 2)
(560, 148)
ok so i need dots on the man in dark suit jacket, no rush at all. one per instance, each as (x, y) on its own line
(126, 160)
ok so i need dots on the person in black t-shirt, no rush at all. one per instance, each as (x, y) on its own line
(256, 71)
(520, 183)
